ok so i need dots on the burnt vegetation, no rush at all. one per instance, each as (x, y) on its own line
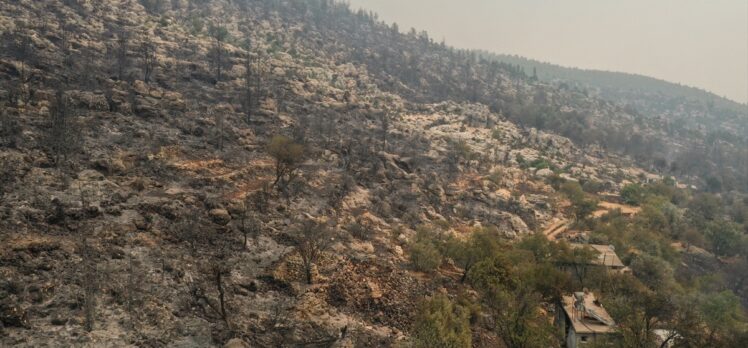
(296, 173)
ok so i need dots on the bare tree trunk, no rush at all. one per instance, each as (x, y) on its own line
(222, 297)
(308, 271)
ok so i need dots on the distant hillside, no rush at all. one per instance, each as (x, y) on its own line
(613, 84)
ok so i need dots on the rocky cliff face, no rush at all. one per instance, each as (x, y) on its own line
(132, 149)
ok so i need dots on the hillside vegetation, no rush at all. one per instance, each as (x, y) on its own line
(290, 173)
(699, 133)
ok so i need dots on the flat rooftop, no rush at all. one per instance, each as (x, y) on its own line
(607, 255)
(593, 319)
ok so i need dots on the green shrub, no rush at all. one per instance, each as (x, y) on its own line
(496, 177)
(441, 323)
(497, 134)
(542, 163)
(443, 224)
(593, 186)
(424, 256)
(358, 231)
(633, 194)
(196, 25)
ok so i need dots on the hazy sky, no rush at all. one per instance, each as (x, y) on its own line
(702, 43)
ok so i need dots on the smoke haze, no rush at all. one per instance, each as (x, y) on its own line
(693, 42)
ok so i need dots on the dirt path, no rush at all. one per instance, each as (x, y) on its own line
(556, 228)
(606, 207)
(560, 226)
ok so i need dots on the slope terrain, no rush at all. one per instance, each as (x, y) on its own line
(694, 132)
(160, 162)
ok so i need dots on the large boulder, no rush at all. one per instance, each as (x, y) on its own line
(220, 216)
(544, 173)
(140, 87)
(236, 343)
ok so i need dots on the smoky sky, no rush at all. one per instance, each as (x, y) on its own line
(702, 43)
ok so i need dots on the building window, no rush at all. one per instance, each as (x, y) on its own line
(584, 339)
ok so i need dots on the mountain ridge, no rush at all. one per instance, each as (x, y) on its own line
(550, 70)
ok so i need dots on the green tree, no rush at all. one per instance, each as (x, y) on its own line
(582, 205)
(584, 208)
(549, 281)
(579, 260)
(517, 320)
(725, 237)
(542, 249)
(661, 216)
(440, 323)
(723, 315)
(652, 271)
(704, 207)
(511, 302)
(492, 273)
(639, 313)
(633, 194)
(481, 244)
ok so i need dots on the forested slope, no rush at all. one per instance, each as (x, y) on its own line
(293, 173)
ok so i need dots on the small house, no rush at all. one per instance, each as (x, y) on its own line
(583, 321)
(606, 257)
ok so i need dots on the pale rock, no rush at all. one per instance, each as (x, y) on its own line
(155, 93)
(544, 173)
(236, 343)
(140, 87)
(220, 216)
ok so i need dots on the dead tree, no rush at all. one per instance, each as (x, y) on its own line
(216, 273)
(337, 192)
(300, 129)
(385, 123)
(148, 59)
(346, 154)
(88, 266)
(90, 285)
(217, 54)
(257, 83)
(24, 50)
(252, 83)
(260, 200)
(120, 52)
(249, 94)
(153, 6)
(219, 119)
(62, 136)
(220, 272)
(131, 290)
(87, 76)
(188, 229)
(19, 46)
(280, 91)
(10, 128)
(248, 223)
(312, 239)
(65, 42)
